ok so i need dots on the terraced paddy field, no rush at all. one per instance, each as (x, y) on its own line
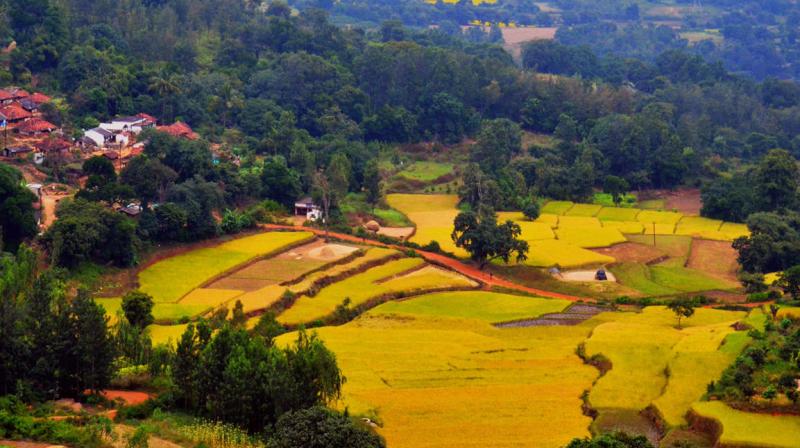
(746, 429)
(643, 347)
(434, 372)
(171, 279)
(566, 233)
(403, 276)
(433, 215)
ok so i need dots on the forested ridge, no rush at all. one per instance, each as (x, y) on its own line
(291, 94)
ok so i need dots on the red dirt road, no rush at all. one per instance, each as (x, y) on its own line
(464, 269)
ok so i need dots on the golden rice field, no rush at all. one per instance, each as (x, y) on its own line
(403, 275)
(171, 279)
(433, 216)
(747, 429)
(564, 230)
(435, 373)
(643, 346)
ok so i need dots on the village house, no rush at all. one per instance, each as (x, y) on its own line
(14, 113)
(306, 207)
(16, 151)
(48, 146)
(35, 127)
(134, 124)
(12, 94)
(98, 137)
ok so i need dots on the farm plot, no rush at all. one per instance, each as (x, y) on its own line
(618, 214)
(433, 216)
(166, 334)
(406, 275)
(700, 227)
(717, 258)
(565, 255)
(426, 171)
(749, 429)
(171, 279)
(642, 347)
(437, 374)
(373, 255)
(284, 267)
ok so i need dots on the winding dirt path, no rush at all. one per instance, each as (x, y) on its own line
(462, 268)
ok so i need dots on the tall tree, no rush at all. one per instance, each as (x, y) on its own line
(777, 179)
(17, 221)
(485, 240)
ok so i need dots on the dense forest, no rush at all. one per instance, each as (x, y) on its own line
(748, 37)
(300, 103)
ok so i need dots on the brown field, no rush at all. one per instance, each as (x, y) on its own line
(685, 200)
(516, 36)
(717, 258)
(633, 252)
(284, 267)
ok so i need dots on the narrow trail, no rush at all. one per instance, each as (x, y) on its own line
(462, 268)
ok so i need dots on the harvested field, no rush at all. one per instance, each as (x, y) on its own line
(170, 279)
(686, 201)
(515, 36)
(284, 267)
(210, 298)
(633, 252)
(371, 255)
(717, 258)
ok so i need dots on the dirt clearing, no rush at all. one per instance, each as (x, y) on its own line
(584, 276)
(633, 252)
(717, 258)
(319, 251)
(401, 233)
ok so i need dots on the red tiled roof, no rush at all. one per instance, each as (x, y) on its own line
(40, 98)
(151, 119)
(15, 112)
(5, 95)
(180, 129)
(19, 93)
(35, 125)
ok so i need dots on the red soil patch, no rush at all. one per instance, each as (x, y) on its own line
(686, 200)
(633, 252)
(716, 258)
(129, 397)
